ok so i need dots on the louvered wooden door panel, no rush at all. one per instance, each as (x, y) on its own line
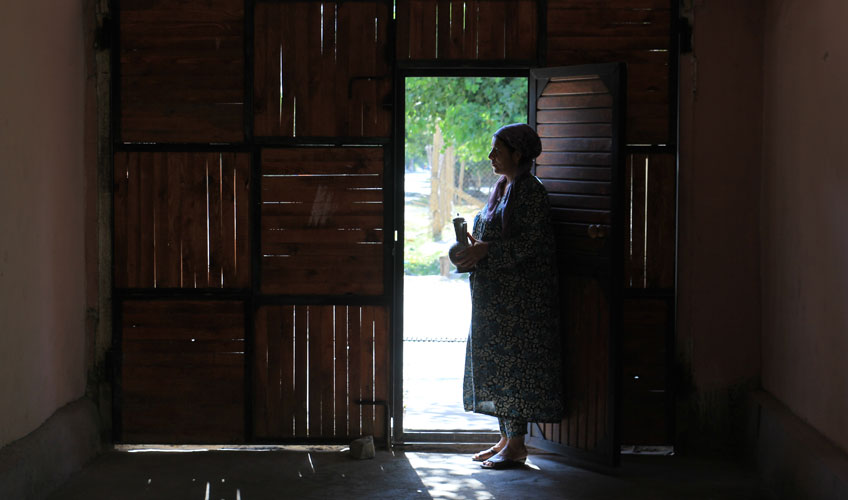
(578, 112)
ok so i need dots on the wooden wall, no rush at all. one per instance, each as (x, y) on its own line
(251, 145)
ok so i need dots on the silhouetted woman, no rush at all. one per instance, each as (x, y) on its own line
(512, 360)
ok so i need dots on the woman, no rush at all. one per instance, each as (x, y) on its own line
(512, 361)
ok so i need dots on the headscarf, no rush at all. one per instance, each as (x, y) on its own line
(522, 138)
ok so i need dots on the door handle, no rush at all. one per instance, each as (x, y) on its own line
(597, 231)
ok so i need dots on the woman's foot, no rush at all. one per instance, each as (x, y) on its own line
(487, 454)
(514, 454)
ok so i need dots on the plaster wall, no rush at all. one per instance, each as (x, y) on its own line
(804, 207)
(720, 154)
(42, 192)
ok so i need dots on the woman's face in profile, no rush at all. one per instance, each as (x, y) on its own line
(504, 161)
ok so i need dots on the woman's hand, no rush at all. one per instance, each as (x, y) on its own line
(470, 256)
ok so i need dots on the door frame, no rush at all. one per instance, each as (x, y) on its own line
(403, 71)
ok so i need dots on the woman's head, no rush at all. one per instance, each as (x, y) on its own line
(521, 141)
(514, 147)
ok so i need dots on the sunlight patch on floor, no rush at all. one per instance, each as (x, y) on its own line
(449, 476)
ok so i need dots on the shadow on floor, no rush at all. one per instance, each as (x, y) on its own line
(328, 473)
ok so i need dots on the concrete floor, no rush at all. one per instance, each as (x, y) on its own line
(328, 473)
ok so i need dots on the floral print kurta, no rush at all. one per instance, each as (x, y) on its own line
(512, 357)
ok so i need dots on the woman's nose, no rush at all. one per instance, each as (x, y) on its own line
(491, 155)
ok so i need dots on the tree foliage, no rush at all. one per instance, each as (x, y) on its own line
(467, 109)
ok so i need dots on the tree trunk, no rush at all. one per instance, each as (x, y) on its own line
(436, 217)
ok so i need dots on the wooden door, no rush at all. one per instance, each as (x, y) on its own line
(578, 112)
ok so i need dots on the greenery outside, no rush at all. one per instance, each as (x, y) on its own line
(449, 124)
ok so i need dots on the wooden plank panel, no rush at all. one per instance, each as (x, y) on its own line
(574, 101)
(608, 21)
(181, 67)
(573, 173)
(166, 224)
(167, 396)
(315, 256)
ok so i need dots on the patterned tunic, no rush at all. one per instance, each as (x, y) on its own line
(512, 357)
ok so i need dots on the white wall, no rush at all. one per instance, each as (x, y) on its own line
(805, 211)
(42, 191)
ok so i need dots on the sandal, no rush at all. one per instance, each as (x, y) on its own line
(499, 462)
(482, 456)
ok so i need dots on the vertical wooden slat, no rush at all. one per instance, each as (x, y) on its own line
(491, 27)
(264, 47)
(261, 369)
(242, 234)
(300, 377)
(403, 33)
(661, 206)
(443, 21)
(422, 32)
(229, 239)
(355, 371)
(216, 216)
(340, 400)
(284, 19)
(287, 363)
(120, 200)
(145, 250)
(275, 372)
(469, 35)
(381, 372)
(521, 26)
(174, 233)
(327, 370)
(314, 325)
(367, 369)
(635, 184)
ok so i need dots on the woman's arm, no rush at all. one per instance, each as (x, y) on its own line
(529, 228)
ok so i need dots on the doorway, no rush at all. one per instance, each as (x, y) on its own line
(448, 125)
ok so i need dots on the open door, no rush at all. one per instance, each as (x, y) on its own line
(579, 114)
